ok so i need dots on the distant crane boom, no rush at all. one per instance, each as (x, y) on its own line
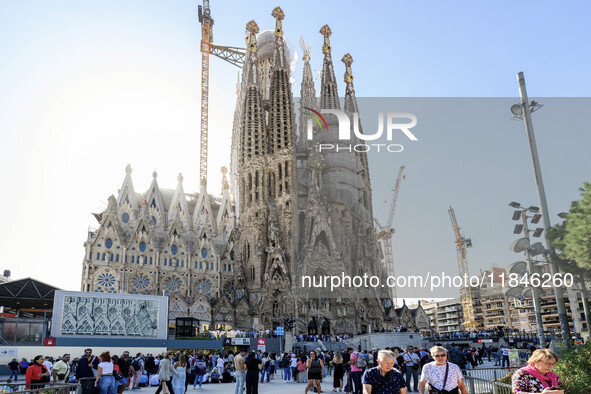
(385, 232)
(466, 291)
(232, 55)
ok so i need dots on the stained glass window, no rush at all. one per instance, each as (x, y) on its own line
(141, 283)
(173, 284)
(204, 286)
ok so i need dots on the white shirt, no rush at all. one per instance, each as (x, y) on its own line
(435, 374)
(107, 367)
(294, 361)
(48, 365)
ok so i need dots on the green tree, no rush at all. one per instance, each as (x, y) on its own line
(573, 237)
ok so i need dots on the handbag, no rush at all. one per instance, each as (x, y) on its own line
(117, 375)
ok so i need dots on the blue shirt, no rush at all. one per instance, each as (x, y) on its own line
(394, 381)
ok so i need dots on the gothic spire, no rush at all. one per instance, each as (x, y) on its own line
(281, 111)
(307, 93)
(329, 96)
(252, 139)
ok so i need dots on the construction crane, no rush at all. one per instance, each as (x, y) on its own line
(465, 291)
(385, 232)
(232, 55)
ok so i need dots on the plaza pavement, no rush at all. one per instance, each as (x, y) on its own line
(276, 386)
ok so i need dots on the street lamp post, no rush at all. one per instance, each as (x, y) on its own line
(535, 291)
(525, 106)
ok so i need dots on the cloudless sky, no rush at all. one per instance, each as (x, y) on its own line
(89, 86)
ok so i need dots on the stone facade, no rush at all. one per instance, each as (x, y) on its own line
(286, 210)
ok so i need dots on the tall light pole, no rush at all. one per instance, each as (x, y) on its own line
(521, 212)
(525, 113)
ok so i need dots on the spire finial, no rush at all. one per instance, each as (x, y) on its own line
(326, 32)
(348, 59)
(154, 174)
(128, 169)
(251, 36)
(179, 177)
(278, 14)
(306, 49)
(225, 184)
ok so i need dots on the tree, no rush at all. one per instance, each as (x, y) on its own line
(573, 237)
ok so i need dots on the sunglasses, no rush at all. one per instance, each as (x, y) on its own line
(440, 355)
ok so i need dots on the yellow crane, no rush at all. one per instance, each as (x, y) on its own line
(387, 231)
(465, 291)
(232, 55)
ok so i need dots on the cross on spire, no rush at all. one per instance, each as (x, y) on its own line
(326, 32)
(251, 39)
(348, 59)
(278, 14)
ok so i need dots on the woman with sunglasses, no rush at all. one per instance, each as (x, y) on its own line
(315, 372)
(441, 375)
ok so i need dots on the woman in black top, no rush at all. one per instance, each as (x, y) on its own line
(315, 372)
(253, 366)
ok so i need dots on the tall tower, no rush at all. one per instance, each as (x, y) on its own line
(266, 175)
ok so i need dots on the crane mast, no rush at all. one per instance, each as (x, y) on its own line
(385, 233)
(466, 291)
(232, 55)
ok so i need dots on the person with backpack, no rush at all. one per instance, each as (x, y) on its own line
(138, 366)
(200, 369)
(266, 361)
(358, 363)
(284, 364)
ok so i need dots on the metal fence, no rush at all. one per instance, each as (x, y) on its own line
(482, 386)
(53, 388)
(490, 374)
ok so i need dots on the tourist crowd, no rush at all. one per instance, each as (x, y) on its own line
(352, 371)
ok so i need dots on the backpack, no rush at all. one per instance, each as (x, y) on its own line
(370, 361)
(136, 365)
(361, 361)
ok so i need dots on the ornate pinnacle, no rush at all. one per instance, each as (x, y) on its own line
(225, 184)
(326, 32)
(251, 39)
(278, 14)
(348, 59)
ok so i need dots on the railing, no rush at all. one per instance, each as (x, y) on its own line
(489, 374)
(50, 388)
(482, 386)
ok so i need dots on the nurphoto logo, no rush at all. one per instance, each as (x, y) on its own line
(392, 121)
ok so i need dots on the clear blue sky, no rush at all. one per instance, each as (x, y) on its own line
(88, 87)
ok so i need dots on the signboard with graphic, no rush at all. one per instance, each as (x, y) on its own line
(261, 345)
(80, 314)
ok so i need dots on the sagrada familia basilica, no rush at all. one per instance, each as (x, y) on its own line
(286, 210)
